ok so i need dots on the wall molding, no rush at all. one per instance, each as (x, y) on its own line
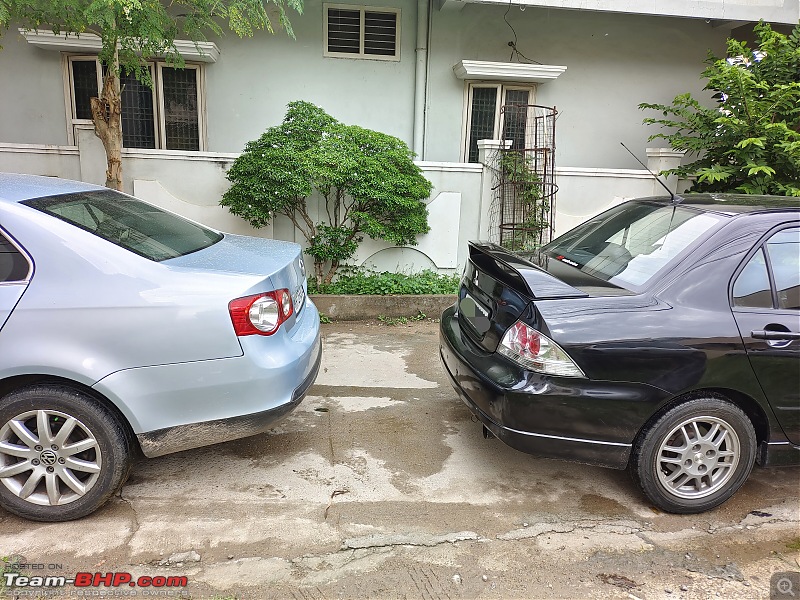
(39, 149)
(429, 166)
(592, 172)
(90, 43)
(482, 70)
(448, 167)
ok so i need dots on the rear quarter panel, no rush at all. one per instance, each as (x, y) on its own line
(93, 308)
(680, 335)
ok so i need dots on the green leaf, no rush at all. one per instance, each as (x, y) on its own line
(756, 169)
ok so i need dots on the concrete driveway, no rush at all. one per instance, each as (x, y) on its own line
(381, 485)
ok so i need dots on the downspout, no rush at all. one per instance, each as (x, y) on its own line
(421, 78)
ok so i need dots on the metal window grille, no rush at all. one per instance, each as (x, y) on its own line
(138, 116)
(482, 109)
(514, 121)
(84, 82)
(344, 31)
(380, 33)
(181, 114)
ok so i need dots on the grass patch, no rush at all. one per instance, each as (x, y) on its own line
(364, 281)
(794, 545)
(401, 320)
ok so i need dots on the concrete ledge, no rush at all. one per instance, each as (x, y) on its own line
(361, 308)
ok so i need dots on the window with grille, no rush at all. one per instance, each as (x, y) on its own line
(486, 121)
(168, 116)
(362, 32)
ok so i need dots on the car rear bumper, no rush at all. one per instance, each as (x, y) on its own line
(575, 419)
(195, 435)
(186, 405)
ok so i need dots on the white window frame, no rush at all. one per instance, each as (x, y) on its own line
(362, 9)
(158, 99)
(161, 109)
(502, 89)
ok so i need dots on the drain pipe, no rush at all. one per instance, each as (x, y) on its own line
(421, 79)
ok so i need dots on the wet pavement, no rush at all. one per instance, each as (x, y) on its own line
(381, 486)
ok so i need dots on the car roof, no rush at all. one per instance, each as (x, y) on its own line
(731, 204)
(16, 187)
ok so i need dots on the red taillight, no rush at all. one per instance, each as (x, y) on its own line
(524, 340)
(532, 349)
(260, 314)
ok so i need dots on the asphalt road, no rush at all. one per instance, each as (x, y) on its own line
(381, 486)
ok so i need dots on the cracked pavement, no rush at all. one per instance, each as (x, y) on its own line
(381, 486)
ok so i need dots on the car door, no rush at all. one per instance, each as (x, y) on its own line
(766, 306)
(14, 275)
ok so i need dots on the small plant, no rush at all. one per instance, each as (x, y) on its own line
(366, 183)
(531, 208)
(392, 321)
(750, 141)
(360, 281)
(324, 319)
(8, 564)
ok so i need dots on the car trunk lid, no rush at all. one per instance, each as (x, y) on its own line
(499, 287)
(278, 264)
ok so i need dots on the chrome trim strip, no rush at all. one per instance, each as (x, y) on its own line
(567, 439)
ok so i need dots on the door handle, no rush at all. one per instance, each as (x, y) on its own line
(775, 335)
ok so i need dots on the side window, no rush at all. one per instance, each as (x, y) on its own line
(783, 249)
(13, 265)
(752, 288)
(495, 110)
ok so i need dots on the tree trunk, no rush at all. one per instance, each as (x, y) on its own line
(331, 272)
(107, 118)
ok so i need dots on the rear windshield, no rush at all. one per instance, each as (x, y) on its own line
(129, 223)
(629, 244)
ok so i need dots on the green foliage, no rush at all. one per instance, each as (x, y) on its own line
(533, 208)
(132, 31)
(9, 564)
(392, 321)
(367, 180)
(324, 319)
(749, 142)
(363, 281)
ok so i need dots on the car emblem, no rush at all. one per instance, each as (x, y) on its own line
(48, 457)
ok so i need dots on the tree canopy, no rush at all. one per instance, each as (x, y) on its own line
(750, 141)
(367, 182)
(133, 31)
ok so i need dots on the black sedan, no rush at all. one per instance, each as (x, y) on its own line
(662, 336)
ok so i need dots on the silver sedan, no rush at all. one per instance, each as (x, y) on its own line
(124, 327)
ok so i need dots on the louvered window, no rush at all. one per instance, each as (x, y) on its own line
(361, 32)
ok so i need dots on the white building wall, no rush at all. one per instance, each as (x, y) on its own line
(614, 62)
(32, 109)
(247, 90)
(775, 11)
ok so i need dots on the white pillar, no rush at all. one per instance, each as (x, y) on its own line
(663, 159)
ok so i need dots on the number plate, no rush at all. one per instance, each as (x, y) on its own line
(475, 314)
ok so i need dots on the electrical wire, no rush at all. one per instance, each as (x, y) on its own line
(515, 53)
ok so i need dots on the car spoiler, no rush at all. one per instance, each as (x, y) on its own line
(520, 274)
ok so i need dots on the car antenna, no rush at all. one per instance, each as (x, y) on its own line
(674, 197)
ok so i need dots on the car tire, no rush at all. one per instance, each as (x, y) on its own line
(695, 456)
(62, 454)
